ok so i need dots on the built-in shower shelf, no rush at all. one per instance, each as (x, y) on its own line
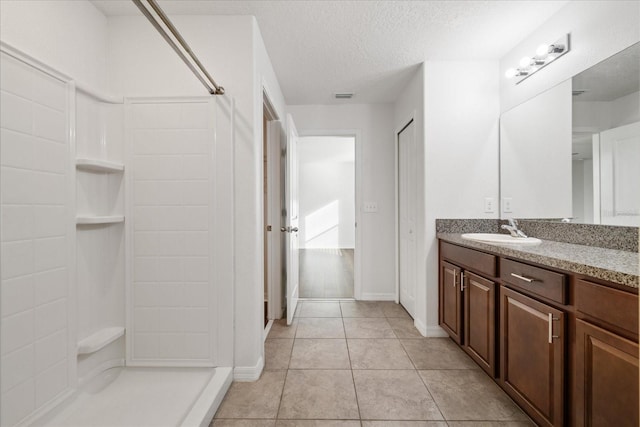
(91, 220)
(99, 340)
(96, 165)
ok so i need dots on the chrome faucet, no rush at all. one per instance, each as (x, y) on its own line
(513, 228)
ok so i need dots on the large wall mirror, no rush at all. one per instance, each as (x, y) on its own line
(574, 151)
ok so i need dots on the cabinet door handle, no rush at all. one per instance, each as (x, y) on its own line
(551, 336)
(526, 279)
(462, 281)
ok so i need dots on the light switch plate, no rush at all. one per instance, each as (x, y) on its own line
(489, 204)
(506, 205)
(370, 207)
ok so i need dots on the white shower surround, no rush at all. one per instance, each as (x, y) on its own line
(31, 395)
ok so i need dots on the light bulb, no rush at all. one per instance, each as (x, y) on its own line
(510, 73)
(525, 62)
(543, 50)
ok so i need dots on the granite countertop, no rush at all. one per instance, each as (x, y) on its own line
(615, 266)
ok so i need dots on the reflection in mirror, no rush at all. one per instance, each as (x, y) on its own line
(535, 156)
(606, 141)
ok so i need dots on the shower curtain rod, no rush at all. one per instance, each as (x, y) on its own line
(209, 83)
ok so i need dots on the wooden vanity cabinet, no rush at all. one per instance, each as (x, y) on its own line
(606, 366)
(467, 302)
(532, 356)
(451, 301)
(563, 346)
(606, 356)
(480, 321)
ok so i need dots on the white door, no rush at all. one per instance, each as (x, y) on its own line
(407, 250)
(620, 175)
(291, 226)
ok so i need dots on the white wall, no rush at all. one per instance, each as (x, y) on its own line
(326, 168)
(70, 36)
(598, 30)
(455, 106)
(461, 155)
(375, 125)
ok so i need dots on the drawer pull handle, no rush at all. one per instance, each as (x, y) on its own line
(526, 279)
(551, 336)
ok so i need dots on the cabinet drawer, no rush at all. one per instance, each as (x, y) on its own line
(534, 280)
(475, 260)
(613, 306)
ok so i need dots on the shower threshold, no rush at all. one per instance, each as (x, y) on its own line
(124, 397)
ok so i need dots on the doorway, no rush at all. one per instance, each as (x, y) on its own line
(407, 213)
(271, 194)
(327, 236)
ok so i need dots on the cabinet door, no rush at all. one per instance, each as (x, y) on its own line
(532, 342)
(451, 301)
(606, 392)
(479, 320)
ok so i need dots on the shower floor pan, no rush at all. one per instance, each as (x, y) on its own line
(127, 397)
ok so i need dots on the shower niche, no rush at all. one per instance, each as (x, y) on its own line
(100, 231)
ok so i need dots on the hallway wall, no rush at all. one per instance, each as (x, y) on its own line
(375, 124)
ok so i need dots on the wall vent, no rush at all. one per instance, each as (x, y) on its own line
(344, 95)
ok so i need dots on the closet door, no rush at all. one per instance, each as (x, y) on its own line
(407, 243)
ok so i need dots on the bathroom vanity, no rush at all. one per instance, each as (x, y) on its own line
(555, 325)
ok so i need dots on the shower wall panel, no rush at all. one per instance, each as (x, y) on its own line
(36, 233)
(172, 294)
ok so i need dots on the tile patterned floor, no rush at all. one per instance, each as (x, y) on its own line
(348, 364)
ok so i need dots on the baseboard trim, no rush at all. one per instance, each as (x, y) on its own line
(378, 297)
(429, 331)
(248, 373)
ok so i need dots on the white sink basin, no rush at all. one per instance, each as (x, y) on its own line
(501, 239)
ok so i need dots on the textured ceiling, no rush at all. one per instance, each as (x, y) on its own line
(369, 47)
(614, 77)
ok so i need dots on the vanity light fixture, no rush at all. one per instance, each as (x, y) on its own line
(545, 54)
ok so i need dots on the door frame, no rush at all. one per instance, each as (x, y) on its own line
(357, 252)
(272, 205)
(396, 149)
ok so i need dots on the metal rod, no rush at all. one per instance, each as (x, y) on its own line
(211, 85)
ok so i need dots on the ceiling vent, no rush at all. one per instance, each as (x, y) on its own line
(578, 92)
(344, 95)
